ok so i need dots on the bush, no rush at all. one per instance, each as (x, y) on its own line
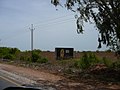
(89, 59)
(42, 60)
(25, 58)
(106, 62)
(108, 51)
(14, 51)
(22, 58)
(9, 56)
(77, 64)
(86, 61)
(116, 65)
(35, 57)
(37, 51)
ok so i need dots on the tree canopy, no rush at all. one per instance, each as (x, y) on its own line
(104, 13)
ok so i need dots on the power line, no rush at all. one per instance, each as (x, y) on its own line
(47, 23)
(52, 19)
(40, 26)
(52, 22)
(48, 26)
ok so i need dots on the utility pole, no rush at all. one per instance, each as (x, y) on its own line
(0, 42)
(32, 29)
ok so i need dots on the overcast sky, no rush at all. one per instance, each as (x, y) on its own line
(53, 28)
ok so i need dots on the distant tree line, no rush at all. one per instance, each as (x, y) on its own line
(15, 54)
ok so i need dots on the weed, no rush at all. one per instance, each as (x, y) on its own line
(106, 62)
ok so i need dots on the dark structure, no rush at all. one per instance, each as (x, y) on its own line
(64, 53)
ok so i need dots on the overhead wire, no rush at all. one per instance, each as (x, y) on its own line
(52, 19)
(45, 24)
(56, 22)
(40, 28)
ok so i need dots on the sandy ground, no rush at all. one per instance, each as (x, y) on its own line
(40, 77)
(31, 73)
(46, 78)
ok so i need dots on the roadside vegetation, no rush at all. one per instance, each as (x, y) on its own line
(14, 55)
(88, 66)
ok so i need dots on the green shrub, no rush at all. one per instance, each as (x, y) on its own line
(93, 59)
(9, 56)
(106, 62)
(28, 59)
(116, 65)
(22, 58)
(87, 60)
(37, 51)
(35, 57)
(108, 51)
(14, 51)
(1, 56)
(42, 60)
(25, 58)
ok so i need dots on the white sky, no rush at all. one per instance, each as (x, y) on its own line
(53, 28)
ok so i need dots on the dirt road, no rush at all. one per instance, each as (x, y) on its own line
(38, 77)
(31, 76)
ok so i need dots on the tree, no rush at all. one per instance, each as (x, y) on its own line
(104, 13)
(14, 51)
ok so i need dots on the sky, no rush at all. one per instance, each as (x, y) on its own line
(54, 27)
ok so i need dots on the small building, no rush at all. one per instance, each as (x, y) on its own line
(64, 53)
